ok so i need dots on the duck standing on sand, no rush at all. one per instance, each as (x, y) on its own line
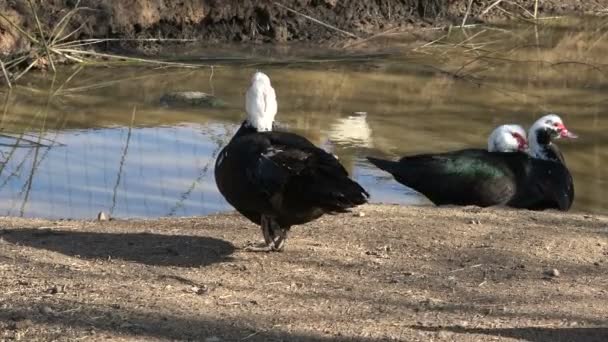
(280, 179)
(502, 175)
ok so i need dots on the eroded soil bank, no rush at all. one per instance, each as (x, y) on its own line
(260, 21)
(395, 273)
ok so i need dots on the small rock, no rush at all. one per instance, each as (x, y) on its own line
(129, 326)
(20, 324)
(199, 290)
(444, 334)
(463, 324)
(191, 99)
(474, 222)
(47, 310)
(360, 214)
(213, 339)
(386, 248)
(554, 272)
(102, 216)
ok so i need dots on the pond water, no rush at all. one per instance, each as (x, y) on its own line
(97, 138)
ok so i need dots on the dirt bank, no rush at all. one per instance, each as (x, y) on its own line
(258, 21)
(397, 273)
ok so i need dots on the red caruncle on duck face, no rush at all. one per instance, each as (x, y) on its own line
(522, 142)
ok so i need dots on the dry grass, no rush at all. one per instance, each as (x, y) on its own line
(46, 52)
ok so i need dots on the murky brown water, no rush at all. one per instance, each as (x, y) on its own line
(79, 155)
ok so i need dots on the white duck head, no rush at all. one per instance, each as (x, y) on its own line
(508, 138)
(543, 132)
(261, 103)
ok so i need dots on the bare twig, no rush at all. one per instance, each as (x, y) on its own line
(514, 16)
(466, 15)
(490, 7)
(536, 9)
(521, 7)
(318, 21)
(8, 79)
(379, 34)
(431, 42)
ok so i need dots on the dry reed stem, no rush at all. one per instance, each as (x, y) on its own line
(8, 79)
(132, 59)
(495, 3)
(515, 16)
(63, 22)
(44, 42)
(466, 14)
(376, 35)
(522, 8)
(318, 21)
(93, 41)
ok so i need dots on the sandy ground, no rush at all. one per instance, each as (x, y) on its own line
(396, 273)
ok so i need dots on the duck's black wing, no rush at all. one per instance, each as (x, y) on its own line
(285, 176)
(296, 175)
(465, 177)
(547, 185)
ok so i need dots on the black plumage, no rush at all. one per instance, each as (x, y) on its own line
(482, 178)
(280, 179)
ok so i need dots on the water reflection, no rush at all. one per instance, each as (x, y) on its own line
(161, 171)
(81, 151)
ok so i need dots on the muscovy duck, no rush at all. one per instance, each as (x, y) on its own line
(502, 175)
(550, 184)
(280, 179)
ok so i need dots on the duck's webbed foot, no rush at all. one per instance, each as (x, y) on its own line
(274, 237)
(262, 247)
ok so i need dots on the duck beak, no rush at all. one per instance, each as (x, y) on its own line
(565, 133)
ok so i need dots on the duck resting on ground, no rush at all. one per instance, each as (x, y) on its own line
(541, 136)
(504, 175)
(552, 186)
(280, 179)
(508, 138)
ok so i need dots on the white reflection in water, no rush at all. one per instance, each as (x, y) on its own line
(352, 130)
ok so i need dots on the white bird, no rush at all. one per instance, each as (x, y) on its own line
(541, 136)
(261, 103)
(507, 138)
